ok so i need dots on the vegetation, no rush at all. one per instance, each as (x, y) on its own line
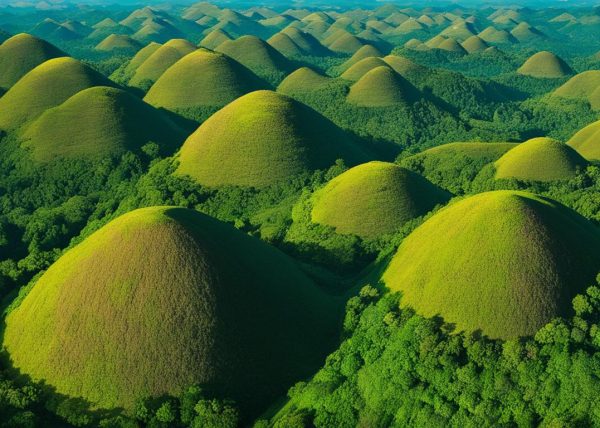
(545, 65)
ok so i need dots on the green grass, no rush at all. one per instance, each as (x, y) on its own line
(158, 62)
(585, 85)
(367, 51)
(459, 31)
(141, 56)
(263, 138)
(214, 39)
(22, 53)
(451, 45)
(502, 262)
(202, 79)
(474, 44)
(545, 65)
(382, 87)
(302, 80)
(258, 56)
(404, 66)
(99, 122)
(307, 43)
(586, 141)
(524, 32)
(373, 199)
(346, 43)
(496, 36)
(540, 159)
(118, 42)
(44, 87)
(163, 298)
(362, 67)
(285, 45)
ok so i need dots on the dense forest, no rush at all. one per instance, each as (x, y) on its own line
(324, 216)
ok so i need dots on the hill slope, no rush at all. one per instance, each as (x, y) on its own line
(522, 259)
(30, 96)
(382, 87)
(260, 139)
(540, 159)
(545, 65)
(374, 198)
(197, 301)
(21, 54)
(98, 122)
(586, 141)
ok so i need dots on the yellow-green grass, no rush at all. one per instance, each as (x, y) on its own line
(99, 122)
(141, 56)
(301, 81)
(581, 86)
(263, 138)
(409, 26)
(118, 41)
(202, 79)
(382, 87)
(44, 87)
(163, 298)
(367, 51)
(524, 32)
(504, 263)
(316, 28)
(374, 199)
(451, 45)
(346, 43)
(362, 67)
(493, 35)
(545, 64)
(475, 151)
(159, 61)
(540, 159)
(404, 66)
(257, 55)
(587, 141)
(459, 31)
(285, 45)
(474, 44)
(594, 99)
(434, 42)
(21, 54)
(415, 44)
(214, 39)
(306, 42)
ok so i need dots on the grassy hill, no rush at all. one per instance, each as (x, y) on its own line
(22, 53)
(373, 199)
(474, 44)
(214, 39)
(581, 86)
(258, 56)
(502, 262)
(302, 80)
(158, 62)
(586, 140)
(540, 159)
(362, 67)
(382, 87)
(198, 301)
(141, 56)
(345, 43)
(545, 65)
(263, 138)
(367, 51)
(30, 96)
(120, 42)
(99, 122)
(306, 42)
(202, 79)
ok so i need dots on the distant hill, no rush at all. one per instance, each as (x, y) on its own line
(545, 65)
(585, 141)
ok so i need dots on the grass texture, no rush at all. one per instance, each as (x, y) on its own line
(99, 122)
(540, 159)
(501, 262)
(587, 141)
(162, 298)
(263, 138)
(374, 198)
(362, 67)
(545, 65)
(202, 78)
(46, 86)
(367, 51)
(301, 81)
(382, 87)
(118, 41)
(163, 58)
(21, 54)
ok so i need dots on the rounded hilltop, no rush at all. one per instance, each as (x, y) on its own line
(163, 298)
(545, 65)
(202, 79)
(374, 198)
(22, 53)
(302, 80)
(263, 138)
(586, 141)
(99, 122)
(30, 96)
(382, 87)
(504, 263)
(540, 159)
